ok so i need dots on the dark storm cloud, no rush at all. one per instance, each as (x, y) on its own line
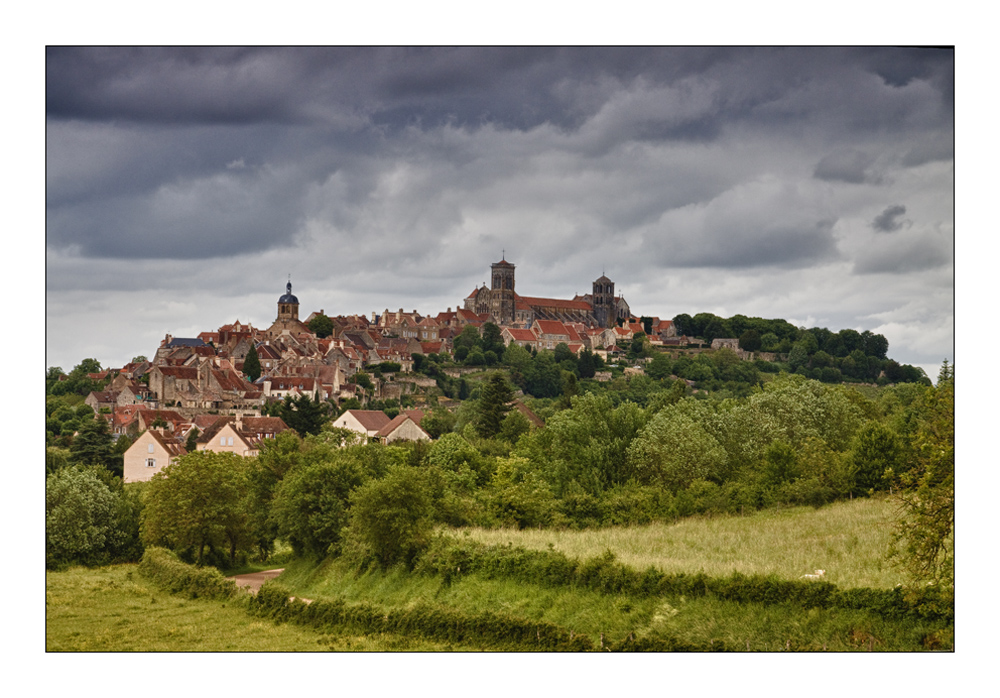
(888, 221)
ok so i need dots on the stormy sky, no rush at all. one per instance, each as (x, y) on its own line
(184, 186)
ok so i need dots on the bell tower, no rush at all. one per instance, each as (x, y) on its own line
(604, 302)
(288, 305)
(502, 292)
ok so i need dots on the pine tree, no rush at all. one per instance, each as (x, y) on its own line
(493, 407)
(251, 364)
(93, 445)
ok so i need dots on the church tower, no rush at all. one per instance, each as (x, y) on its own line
(502, 292)
(288, 305)
(604, 302)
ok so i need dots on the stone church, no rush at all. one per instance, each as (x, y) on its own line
(600, 308)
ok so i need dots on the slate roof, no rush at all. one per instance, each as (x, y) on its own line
(185, 342)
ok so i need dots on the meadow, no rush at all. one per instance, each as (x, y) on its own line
(849, 540)
(115, 609)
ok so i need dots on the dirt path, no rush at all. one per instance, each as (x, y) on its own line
(254, 581)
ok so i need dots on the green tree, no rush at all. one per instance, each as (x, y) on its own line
(310, 504)
(321, 326)
(492, 339)
(94, 445)
(875, 344)
(198, 501)
(364, 380)
(438, 422)
(390, 518)
(673, 451)
(468, 338)
(927, 528)
(493, 405)
(56, 459)
(750, 340)
(586, 367)
(684, 325)
(514, 426)
(80, 518)
(304, 414)
(875, 457)
(251, 364)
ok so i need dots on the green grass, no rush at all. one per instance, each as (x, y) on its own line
(850, 540)
(758, 627)
(115, 609)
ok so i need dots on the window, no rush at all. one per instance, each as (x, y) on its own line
(150, 448)
(230, 441)
(150, 462)
(222, 440)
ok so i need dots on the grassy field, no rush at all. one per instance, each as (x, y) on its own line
(114, 609)
(849, 540)
(741, 626)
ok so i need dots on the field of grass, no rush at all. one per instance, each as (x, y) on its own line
(849, 540)
(114, 609)
(741, 626)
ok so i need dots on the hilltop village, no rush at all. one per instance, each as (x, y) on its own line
(202, 382)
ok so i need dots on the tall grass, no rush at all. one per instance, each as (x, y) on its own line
(850, 540)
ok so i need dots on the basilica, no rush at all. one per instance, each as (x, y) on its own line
(600, 308)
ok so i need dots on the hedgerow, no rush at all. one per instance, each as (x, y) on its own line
(605, 574)
(166, 570)
(487, 629)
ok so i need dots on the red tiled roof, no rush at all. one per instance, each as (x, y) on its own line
(520, 335)
(370, 419)
(185, 372)
(557, 303)
(552, 327)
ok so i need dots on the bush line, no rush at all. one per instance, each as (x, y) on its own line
(167, 571)
(492, 631)
(450, 558)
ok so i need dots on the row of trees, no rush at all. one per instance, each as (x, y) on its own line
(759, 334)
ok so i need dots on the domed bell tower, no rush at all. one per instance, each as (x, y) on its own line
(288, 305)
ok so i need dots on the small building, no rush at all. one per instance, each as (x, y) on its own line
(151, 452)
(402, 428)
(240, 435)
(367, 422)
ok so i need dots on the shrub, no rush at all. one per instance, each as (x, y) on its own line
(165, 569)
(81, 516)
(391, 518)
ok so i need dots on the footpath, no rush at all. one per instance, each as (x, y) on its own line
(254, 581)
